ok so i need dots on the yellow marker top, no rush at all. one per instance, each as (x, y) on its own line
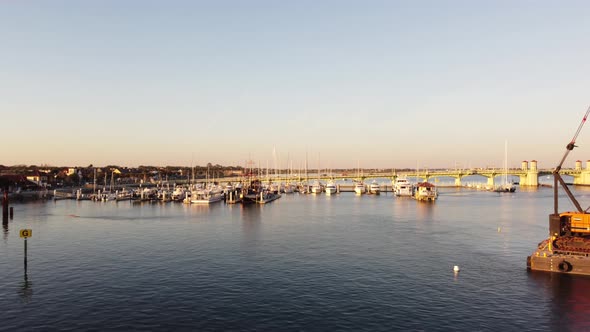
(26, 233)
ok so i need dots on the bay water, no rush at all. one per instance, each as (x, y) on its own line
(301, 263)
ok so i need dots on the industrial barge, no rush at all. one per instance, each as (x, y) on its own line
(567, 248)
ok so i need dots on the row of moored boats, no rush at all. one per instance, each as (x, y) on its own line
(254, 192)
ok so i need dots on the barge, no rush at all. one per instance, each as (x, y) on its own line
(567, 248)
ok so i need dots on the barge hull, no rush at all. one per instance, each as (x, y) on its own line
(559, 263)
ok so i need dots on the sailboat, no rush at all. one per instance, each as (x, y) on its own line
(331, 187)
(359, 186)
(317, 187)
(256, 192)
(506, 186)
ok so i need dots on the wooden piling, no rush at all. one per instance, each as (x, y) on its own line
(5, 205)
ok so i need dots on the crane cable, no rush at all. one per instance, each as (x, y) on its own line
(581, 125)
(571, 145)
(557, 177)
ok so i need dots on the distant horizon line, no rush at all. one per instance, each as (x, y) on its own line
(278, 168)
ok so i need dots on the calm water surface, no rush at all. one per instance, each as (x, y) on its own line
(302, 263)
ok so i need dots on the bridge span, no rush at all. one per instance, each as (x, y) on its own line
(528, 174)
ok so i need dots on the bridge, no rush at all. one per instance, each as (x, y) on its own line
(528, 174)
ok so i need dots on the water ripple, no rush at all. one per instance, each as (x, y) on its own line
(302, 263)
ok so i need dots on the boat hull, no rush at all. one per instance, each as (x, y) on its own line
(315, 190)
(269, 198)
(375, 190)
(505, 190)
(260, 199)
(206, 201)
(429, 198)
(404, 192)
(559, 263)
(563, 254)
(199, 199)
(426, 191)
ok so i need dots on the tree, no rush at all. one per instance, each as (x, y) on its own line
(73, 179)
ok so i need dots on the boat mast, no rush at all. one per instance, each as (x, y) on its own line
(318, 167)
(275, 162)
(194, 170)
(306, 178)
(94, 182)
(506, 162)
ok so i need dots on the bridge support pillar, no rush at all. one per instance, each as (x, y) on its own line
(457, 182)
(523, 179)
(529, 179)
(583, 178)
(491, 182)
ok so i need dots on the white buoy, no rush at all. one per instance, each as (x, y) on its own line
(456, 268)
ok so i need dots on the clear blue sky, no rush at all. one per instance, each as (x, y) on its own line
(376, 83)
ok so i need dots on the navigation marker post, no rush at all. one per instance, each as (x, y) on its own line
(26, 233)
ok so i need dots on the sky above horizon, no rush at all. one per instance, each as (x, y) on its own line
(427, 84)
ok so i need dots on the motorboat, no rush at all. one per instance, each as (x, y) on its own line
(403, 187)
(206, 196)
(331, 188)
(317, 188)
(178, 194)
(375, 188)
(288, 188)
(360, 188)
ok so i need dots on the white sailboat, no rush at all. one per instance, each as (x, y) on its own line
(359, 186)
(506, 186)
(317, 187)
